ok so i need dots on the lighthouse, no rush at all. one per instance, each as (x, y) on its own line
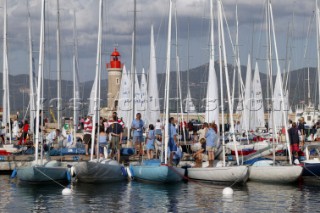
(114, 68)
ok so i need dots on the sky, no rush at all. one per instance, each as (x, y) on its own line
(291, 20)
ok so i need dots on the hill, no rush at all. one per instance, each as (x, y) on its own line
(297, 85)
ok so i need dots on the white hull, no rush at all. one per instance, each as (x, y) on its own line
(239, 146)
(265, 144)
(275, 174)
(220, 174)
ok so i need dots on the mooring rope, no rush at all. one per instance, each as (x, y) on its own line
(50, 178)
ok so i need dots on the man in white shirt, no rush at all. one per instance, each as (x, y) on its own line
(52, 137)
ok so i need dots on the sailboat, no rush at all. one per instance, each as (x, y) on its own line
(268, 170)
(257, 108)
(106, 170)
(153, 106)
(221, 174)
(153, 170)
(311, 167)
(245, 121)
(143, 99)
(52, 170)
(5, 80)
(75, 76)
(124, 105)
(212, 98)
(190, 107)
(137, 95)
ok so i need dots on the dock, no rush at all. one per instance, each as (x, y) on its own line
(10, 162)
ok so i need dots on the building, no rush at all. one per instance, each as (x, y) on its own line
(114, 68)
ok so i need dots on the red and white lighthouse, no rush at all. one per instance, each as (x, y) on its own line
(114, 68)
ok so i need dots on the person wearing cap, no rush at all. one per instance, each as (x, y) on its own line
(87, 129)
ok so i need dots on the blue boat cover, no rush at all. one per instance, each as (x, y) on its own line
(127, 151)
(252, 161)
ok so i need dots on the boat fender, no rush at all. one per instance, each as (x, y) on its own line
(72, 172)
(131, 171)
(66, 191)
(14, 173)
(68, 176)
(124, 171)
(227, 191)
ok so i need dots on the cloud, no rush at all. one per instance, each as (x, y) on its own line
(118, 27)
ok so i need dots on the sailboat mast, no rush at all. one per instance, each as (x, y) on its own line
(97, 86)
(40, 73)
(188, 71)
(178, 78)
(318, 45)
(236, 56)
(221, 86)
(281, 90)
(31, 89)
(227, 79)
(133, 67)
(75, 79)
(167, 89)
(58, 68)
(6, 97)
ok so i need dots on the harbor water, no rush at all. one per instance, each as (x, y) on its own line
(141, 197)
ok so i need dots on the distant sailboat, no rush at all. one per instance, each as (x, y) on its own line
(256, 108)
(92, 97)
(124, 106)
(137, 95)
(153, 106)
(212, 97)
(144, 97)
(190, 107)
(245, 119)
(276, 119)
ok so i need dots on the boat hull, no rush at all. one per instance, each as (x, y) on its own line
(38, 174)
(98, 172)
(311, 169)
(231, 174)
(157, 173)
(275, 174)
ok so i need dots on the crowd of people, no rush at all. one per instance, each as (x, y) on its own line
(110, 135)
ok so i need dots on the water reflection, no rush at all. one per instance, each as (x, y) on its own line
(148, 197)
(141, 197)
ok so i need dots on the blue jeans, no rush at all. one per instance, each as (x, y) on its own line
(172, 145)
